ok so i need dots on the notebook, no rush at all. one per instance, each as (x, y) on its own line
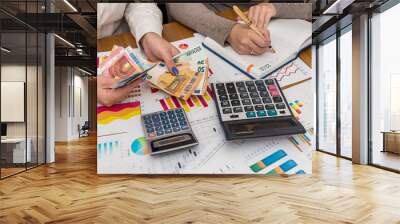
(288, 38)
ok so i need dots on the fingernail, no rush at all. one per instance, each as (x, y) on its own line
(175, 70)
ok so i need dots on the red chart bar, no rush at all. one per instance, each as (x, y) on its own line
(203, 101)
(209, 90)
(163, 104)
(176, 102)
(190, 102)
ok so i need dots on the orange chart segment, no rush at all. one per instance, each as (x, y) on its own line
(123, 111)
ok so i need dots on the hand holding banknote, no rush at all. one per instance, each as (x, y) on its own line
(192, 66)
(158, 49)
(124, 66)
(108, 96)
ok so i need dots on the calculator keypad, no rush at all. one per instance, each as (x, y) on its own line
(164, 123)
(250, 99)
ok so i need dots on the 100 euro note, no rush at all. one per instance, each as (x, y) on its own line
(192, 66)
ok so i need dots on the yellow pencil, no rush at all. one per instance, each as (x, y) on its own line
(249, 23)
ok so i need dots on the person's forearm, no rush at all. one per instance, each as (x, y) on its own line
(294, 10)
(143, 18)
(199, 18)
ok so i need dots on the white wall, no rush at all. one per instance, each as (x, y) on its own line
(61, 104)
(71, 93)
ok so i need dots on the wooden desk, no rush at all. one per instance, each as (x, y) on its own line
(171, 32)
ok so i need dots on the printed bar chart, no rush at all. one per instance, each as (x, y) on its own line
(267, 161)
(296, 108)
(193, 102)
(283, 168)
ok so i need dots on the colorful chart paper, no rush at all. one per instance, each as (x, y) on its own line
(213, 155)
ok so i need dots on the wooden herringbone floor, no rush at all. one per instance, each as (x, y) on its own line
(70, 191)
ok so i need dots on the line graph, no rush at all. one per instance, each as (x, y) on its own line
(294, 72)
(287, 71)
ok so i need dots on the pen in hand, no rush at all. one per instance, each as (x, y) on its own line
(245, 19)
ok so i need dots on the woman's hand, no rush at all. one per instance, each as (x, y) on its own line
(108, 96)
(245, 41)
(158, 49)
(261, 14)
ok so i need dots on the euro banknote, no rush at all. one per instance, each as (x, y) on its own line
(192, 66)
(124, 66)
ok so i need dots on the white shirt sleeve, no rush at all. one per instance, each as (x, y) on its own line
(143, 18)
(109, 16)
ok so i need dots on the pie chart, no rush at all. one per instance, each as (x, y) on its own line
(139, 146)
(183, 46)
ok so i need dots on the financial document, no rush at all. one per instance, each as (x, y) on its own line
(122, 147)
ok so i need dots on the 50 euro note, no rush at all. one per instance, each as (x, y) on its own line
(181, 85)
(192, 66)
(200, 64)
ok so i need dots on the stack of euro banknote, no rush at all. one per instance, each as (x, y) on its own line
(127, 65)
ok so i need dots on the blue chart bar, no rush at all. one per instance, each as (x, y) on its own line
(110, 146)
(288, 165)
(283, 168)
(98, 149)
(256, 167)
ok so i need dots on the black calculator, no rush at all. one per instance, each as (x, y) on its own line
(254, 108)
(168, 131)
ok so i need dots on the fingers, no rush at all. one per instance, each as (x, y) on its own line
(266, 22)
(256, 50)
(267, 37)
(251, 13)
(174, 50)
(261, 18)
(149, 54)
(169, 62)
(258, 40)
(108, 96)
(256, 14)
(105, 81)
(242, 49)
(156, 49)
